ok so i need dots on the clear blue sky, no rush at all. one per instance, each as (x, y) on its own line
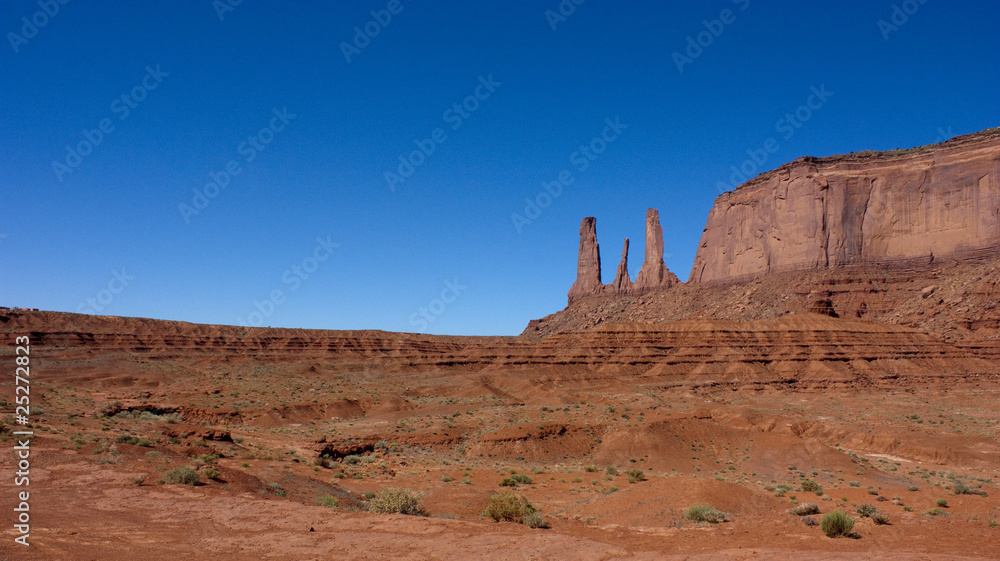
(197, 86)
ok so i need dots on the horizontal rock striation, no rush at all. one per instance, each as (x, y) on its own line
(907, 208)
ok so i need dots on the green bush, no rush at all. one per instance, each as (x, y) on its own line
(396, 501)
(328, 501)
(611, 470)
(212, 473)
(866, 510)
(836, 523)
(181, 475)
(943, 503)
(961, 488)
(805, 509)
(934, 512)
(508, 506)
(810, 485)
(515, 480)
(352, 459)
(535, 520)
(704, 513)
(635, 475)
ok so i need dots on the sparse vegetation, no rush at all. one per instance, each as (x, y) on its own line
(837, 523)
(181, 475)
(804, 509)
(535, 520)
(635, 475)
(393, 500)
(328, 501)
(515, 480)
(508, 506)
(810, 485)
(704, 513)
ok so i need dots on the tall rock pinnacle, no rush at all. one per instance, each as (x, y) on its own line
(654, 273)
(588, 263)
(622, 282)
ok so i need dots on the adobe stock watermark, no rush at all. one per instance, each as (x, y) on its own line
(248, 149)
(116, 285)
(292, 279)
(696, 44)
(30, 26)
(455, 116)
(225, 7)
(425, 315)
(944, 134)
(580, 159)
(562, 12)
(364, 35)
(899, 16)
(786, 126)
(122, 106)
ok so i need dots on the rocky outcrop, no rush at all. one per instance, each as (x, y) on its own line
(588, 262)
(652, 276)
(904, 207)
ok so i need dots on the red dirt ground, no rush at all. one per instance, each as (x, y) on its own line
(735, 414)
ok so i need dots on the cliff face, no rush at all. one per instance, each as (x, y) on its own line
(919, 205)
(652, 276)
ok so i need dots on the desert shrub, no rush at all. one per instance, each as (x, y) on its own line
(913, 488)
(328, 501)
(635, 475)
(880, 518)
(810, 485)
(127, 439)
(611, 470)
(139, 479)
(804, 509)
(352, 459)
(836, 523)
(212, 473)
(943, 503)
(515, 480)
(446, 479)
(881, 499)
(396, 501)
(961, 488)
(277, 489)
(704, 513)
(809, 521)
(182, 475)
(535, 520)
(508, 506)
(872, 492)
(866, 510)
(590, 469)
(934, 512)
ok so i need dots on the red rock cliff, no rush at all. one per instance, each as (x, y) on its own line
(923, 204)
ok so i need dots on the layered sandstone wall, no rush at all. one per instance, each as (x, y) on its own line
(917, 206)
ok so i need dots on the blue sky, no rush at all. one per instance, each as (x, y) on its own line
(119, 120)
